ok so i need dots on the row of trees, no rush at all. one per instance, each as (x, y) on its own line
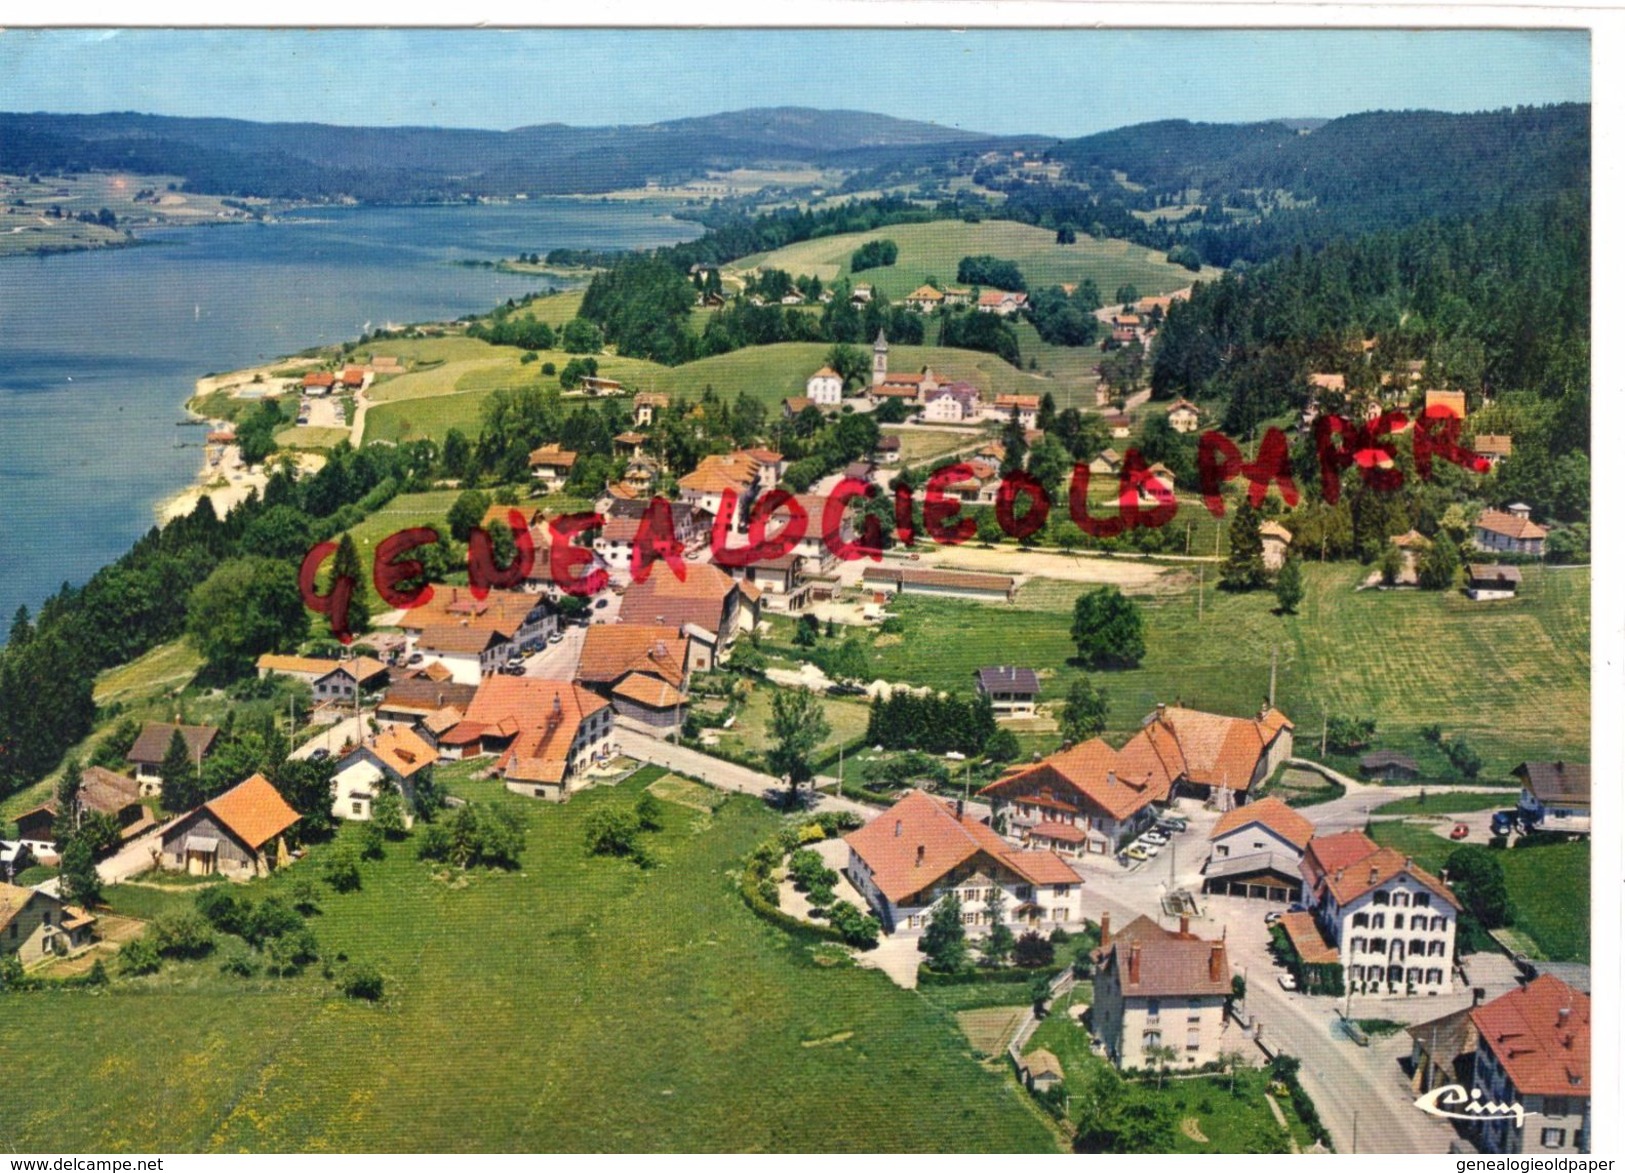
(936, 723)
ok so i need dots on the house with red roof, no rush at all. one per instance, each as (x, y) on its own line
(705, 604)
(1388, 923)
(1156, 987)
(1510, 530)
(824, 387)
(1534, 1056)
(642, 669)
(317, 382)
(1255, 851)
(1091, 798)
(550, 466)
(234, 835)
(544, 734)
(394, 758)
(911, 857)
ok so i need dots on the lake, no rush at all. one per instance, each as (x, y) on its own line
(100, 350)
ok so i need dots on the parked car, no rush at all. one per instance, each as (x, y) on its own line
(1171, 823)
(1501, 823)
(1459, 831)
(1287, 981)
(1273, 918)
(1297, 906)
(1151, 849)
(320, 754)
(601, 603)
(556, 637)
(1137, 853)
(415, 658)
(1156, 837)
(513, 669)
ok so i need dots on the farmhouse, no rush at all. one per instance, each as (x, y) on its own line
(1255, 851)
(1108, 464)
(1120, 426)
(231, 835)
(946, 583)
(1388, 923)
(1534, 1049)
(1040, 1070)
(925, 299)
(890, 449)
(623, 662)
(824, 387)
(328, 679)
(630, 444)
(595, 386)
(35, 925)
(394, 758)
(1510, 531)
(544, 733)
(705, 604)
(1024, 408)
(317, 382)
(1442, 1050)
(1013, 692)
(996, 301)
(955, 403)
(913, 855)
(1183, 416)
(147, 754)
(645, 405)
(1493, 582)
(1556, 796)
(550, 465)
(410, 700)
(1492, 448)
(1154, 987)
(101, 792)
(736, 472)
(473, 637)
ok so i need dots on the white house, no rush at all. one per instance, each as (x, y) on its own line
(1510, 531)
(1556, 796)
(952, 403)
(824, 387)
(1153, 988)
(1256, 851)
(1388, 923)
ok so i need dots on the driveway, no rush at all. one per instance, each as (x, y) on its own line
(723, 775)
(137, 856)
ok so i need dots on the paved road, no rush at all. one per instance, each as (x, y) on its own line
(358, 422)
(723, 775)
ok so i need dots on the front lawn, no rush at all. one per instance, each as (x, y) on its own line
(502, 991)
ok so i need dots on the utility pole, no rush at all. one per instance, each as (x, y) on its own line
(1187, 539)
(1273, 648)
(1324, 722)
(1201, 577)
(840, 770)
(1354, 1145)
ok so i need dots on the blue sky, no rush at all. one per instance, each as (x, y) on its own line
(1043, 81)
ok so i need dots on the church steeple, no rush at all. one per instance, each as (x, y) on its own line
(877, 374)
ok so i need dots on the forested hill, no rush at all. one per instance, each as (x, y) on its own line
(315, 161)
(1254, 191)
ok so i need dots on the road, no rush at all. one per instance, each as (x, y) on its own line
(137, 856)
(723, 775)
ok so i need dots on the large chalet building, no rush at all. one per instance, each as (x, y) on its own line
(1091, 798)
(911, 857)
(544, 734)
(1534, 1051)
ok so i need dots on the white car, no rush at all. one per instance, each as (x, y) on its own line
(1156, 837)
(1151, 849)
(1287, 981)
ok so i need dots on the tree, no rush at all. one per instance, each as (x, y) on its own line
(1159, 1056)
(998, 943)
(389, 812)
(181, 788)
(1244, 566)
(581, 337)
(647, 810)
(1127, 295)
(1032, 951)
(1439, 563)
(80, 882)
(343, 871)
(1083, 715)
(797, 726)
(612, 830)
(943, 942)
(1475, 875)
(849, 362)
(1391, 564)
(1001, 747)
(1289, 585)
(347, 564)
(364, 981)
(1108, 629)
(466, 513)
(246, 607)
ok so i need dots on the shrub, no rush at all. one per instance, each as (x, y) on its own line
(288, 954)
(183, 935)
(139, 957)
(270, 919)
(238, 966)
(342, 871)
(372, 843)
(364, 981)
(647, 810)
(1032, 951)
(221, 908)
(306, 896)
(612, 830)
(856, 928)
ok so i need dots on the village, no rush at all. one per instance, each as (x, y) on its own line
(1181, 908)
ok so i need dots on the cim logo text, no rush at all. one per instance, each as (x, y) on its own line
(1471, 1105)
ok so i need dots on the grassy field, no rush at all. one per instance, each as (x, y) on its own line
(847, 720)
(1407, 659)
(1444, 804)
(932, 251)
(1550, 885)
(28, 230)
(508, 995)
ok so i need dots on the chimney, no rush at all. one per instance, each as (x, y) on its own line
(1161, 710)
(959, 809)
(1407, 863)
(1563, 1017)
(1373, 878)
(1339, 877)
(1134, 963)
(1184, 925)
(897, 831)
(1478, 995)
(1105, 929)
(1111, 777)
(919, 855)
(1215, 963)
